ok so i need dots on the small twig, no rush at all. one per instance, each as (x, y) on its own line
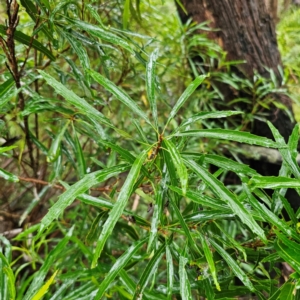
(8, 46)
(42, 182)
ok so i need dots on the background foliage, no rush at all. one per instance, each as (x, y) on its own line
(113, 167)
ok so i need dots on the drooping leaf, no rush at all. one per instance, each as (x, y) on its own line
(207, 115)
(8, 176)
(32, 11)
(185, 286)
(6, 86)
(155, 222)
(178, 163)
(170, 271)
(84, 107)
(150, 84)
(119, 94)
(40, 275)
(288, 254)
(233, 265)
(186, 94)
(148, 271)
(231, 135)
(285, 151)
(273, 182)
(94, 13)
(204, 200)
(119, 206)
(223, 193)
(81, 165)
(119, 266)
(54, 150)
(79, 50)
(209, 257)
(269, 216)
(43, 290)
(222, 162)
(99, 32)
(77, 189)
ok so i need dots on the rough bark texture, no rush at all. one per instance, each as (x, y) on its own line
(247, 32)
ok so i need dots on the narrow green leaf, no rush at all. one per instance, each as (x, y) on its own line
(44, 289)
(209, 258)
(178, 163)
(119, 94)
(285, 152)
(95, 228)
(186, 94)
(223, 193)
(126, 13)
(221, 162)
(84, 107)
(7, 277)
(171, 173)
(287, 291)
(28, 40)
(288, 254)
(290, 243)
(32, 11)
(7, 95)
(103, 203)
(6, 86)
(124, 153)
(105, 35)
(204, 200)
(272, 182)
(79, 50)
(184, 226)
(233, 265)
(140, 131)
(119, 206)
(60, 6)
(11, 284)
(51, 257)
(148, 272)
(268, 215)
(78, 188)
(94, 13)
(208, 215)
(185, 287)
(81, 165)
(8, 176)
(207, 115)
(170, 272)
(208, 288)
(150, 84)
(293, 141)
(232, 239)
(54, 150)
(231, 135)
(131, 285)
(154, 225)
(119, 266)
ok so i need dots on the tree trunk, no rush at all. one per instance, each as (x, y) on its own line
(247, 32)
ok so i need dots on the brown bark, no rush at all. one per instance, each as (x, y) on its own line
(246, 31)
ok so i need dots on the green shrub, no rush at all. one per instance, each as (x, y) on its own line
(120, 152)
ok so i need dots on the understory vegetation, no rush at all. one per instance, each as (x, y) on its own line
(121, 178)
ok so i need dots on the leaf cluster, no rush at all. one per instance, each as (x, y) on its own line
(117, 196)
